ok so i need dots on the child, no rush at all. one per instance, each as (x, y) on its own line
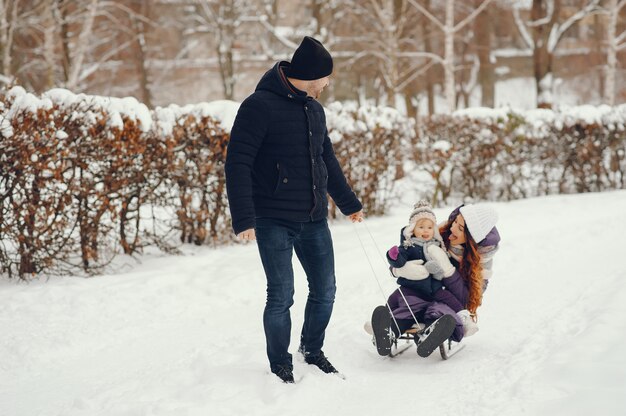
(415, 241)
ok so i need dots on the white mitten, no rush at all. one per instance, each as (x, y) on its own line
(441, 257)
(412, 270)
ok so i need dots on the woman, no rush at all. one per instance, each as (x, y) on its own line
(471, 240)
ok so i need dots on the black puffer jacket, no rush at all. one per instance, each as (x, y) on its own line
(280, 161)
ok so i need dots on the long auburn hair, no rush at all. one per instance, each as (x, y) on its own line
(470, 268)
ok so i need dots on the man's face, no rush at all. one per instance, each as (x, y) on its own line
(317, 86)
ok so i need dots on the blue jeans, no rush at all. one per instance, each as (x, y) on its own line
(277, 239)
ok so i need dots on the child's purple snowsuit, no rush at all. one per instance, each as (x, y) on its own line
(430, 311)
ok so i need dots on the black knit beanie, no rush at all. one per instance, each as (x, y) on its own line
(310, 61)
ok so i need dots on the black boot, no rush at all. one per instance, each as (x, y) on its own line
(284, 372)
(383, 334)
(434, 335)
(321, 362)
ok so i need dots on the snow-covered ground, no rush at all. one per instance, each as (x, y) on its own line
(183, 335)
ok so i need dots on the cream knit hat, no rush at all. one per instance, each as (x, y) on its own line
(479, 219)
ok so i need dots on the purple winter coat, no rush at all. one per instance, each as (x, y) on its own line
(429, 311)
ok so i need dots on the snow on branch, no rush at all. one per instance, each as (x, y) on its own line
(521, 26)
(558, 30)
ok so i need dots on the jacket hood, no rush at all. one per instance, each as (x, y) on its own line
(492, 239)
(275, 81)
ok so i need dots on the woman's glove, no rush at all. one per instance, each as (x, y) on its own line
(412, 270)
(441, 257)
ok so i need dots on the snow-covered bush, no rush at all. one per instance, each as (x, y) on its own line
(77, 170)
(486, 154)
(370, 143)
(83, 178)
(195, 175)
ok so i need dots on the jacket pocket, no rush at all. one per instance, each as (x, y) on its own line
(324, 171)
(283, 177)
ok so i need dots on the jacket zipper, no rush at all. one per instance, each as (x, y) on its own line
(312, 163)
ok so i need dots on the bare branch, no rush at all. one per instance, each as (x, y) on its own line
(546, 19)
(81, 48)
(472, 16)
(521, 26)
(427, 14)
(558, 30)
(416, 74)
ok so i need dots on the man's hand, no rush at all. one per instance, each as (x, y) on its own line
(248, 235)
(357, 216)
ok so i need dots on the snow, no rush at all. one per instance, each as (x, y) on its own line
(349, 118)
(223, 111)
(6, 130)
(183, 335)
(492, 114)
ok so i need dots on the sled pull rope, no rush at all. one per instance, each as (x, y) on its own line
(376, 276)
(379, 251)
(382, 292)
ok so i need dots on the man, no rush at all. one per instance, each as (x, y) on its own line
(279, 166)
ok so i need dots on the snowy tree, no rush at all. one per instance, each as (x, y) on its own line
(65, 43)
(483, 28)
(449, 29)
(380, 35)
(139, 26)
(15, 15)
(547, 31)
(615, 43)
(8, 18)
(224, 20)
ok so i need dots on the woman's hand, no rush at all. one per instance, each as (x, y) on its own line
(441, 257)
(412, 270)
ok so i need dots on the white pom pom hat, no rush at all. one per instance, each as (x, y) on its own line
(479, 220)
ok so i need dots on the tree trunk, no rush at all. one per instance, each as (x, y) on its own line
(8, 20)
(542, 57)
(61, 8)
(486, 74)
(140, 58)
(448, 66)
(430, 88)
(48, 44)
(598, 54)
(226, 42)
(82, 46)
(611, 54)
